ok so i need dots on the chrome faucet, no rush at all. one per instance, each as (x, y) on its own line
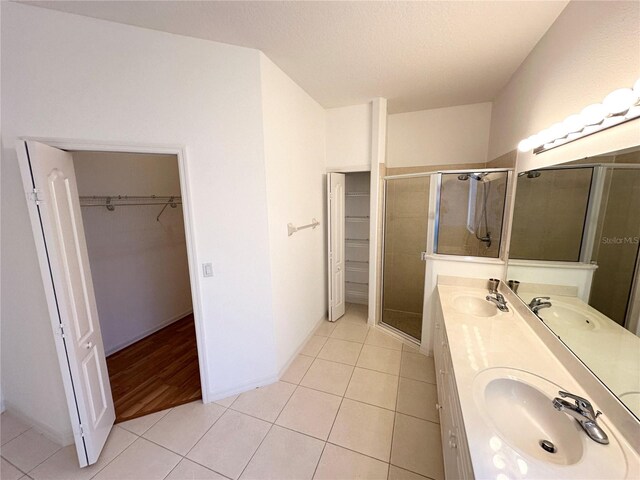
(537, 304)
(583, 412)
(499, 301)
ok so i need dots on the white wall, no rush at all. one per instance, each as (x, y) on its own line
(348, 142)
(590, 50)
(441, 136)
(294, 139)
(82, 78)
(138, 265)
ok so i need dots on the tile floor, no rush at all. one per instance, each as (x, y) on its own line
(356, 403)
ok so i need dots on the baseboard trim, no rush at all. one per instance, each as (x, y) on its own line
(61, 438)
(148, 332)
(245, 387)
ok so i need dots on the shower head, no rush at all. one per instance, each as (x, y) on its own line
(530, 174)
(478, 176)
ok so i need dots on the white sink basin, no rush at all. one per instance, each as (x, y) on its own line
(561, 316)
(518, 406)
(524, 417)
(474, 306)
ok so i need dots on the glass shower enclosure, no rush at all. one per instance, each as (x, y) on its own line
(461, 211)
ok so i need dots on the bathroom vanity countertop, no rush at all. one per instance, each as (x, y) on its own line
(505, 341)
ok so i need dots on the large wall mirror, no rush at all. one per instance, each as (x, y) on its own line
(575, 253)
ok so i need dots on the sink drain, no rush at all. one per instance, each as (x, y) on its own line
(548, 446)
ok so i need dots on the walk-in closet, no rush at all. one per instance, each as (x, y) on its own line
(131, 208)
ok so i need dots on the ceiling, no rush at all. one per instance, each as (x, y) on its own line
(418, 55)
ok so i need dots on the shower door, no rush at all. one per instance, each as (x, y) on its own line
(406, 208)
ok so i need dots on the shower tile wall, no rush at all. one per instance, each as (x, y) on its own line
(453, 236)
(550, 209)
(406, 214)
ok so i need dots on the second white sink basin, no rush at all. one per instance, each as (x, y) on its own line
(525, 417)
(518, 406)
(563, 316)
(474, 306)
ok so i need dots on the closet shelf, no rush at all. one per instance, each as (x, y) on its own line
(356, 283)
(355, 266)
(357, 219)
(357, 194)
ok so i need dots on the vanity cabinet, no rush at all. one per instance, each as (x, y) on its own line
(455, 450)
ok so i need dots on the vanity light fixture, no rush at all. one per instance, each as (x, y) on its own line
(618, 107)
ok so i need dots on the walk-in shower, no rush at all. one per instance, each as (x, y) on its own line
(455, 213)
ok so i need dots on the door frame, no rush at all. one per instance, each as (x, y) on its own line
(180, 151)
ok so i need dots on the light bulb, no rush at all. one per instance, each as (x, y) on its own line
(573, 123)
(524, 145)
(545, 136)
(534, 141)
(558, 130)
(619, 101)
(593, 114)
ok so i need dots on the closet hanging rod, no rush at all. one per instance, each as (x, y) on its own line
(110, 202)
(291, 228)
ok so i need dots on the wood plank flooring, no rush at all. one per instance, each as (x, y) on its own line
(158, 372)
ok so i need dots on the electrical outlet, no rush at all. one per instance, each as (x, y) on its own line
(207, 270)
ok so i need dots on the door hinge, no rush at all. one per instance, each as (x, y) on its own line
(423, 256)
(81, 430)
(35, 196)
(61, 330)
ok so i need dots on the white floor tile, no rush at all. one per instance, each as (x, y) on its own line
(378, 338)
(10, 427)
(313, 346)
(63, 465)
(363, 428)
(297, 369)
(183, 426)
(418, 367)
(8, 471)
(29, 450)
(188, 470)
(380, 359)
(330, 377)
(265, 402)
(417, 446)
(228, 401)
(284, 455)
(142, 460)
(396, 473)
(418, 399)
(375, 388)
(142, 424)
(350, 331)
(310, 412)
(340, 351)
(228, 446)
(325, 329)
(340, 463)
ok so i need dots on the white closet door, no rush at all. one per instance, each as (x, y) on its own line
(54, 207)
(336, 198)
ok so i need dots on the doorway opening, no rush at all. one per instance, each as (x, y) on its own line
(349, 222)
(131, 207)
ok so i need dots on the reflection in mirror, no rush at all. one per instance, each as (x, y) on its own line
(575, 251)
